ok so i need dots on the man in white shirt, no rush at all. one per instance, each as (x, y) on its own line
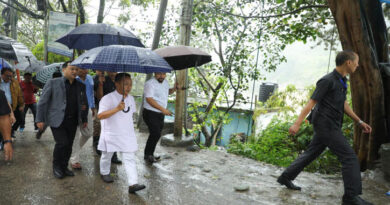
(117, 131)
(156, 93)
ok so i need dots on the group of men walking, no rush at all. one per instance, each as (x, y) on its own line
(69, 103)
(65, 103)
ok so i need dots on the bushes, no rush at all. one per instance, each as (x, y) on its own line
(274, 146)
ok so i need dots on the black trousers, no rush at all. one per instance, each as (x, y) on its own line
(33, 108)
(64, 137)
(338, 144)
(155, 123)
(19, 119)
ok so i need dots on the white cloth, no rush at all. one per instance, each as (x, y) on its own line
(117, 132)
(158, 91)
(128, 159)
(81, 137)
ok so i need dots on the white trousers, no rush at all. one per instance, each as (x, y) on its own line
(128, 160)
(81, 137)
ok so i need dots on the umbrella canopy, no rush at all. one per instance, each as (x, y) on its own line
(119, 58)
(88, 36)
(47, 72)
(182, 57)
(12, 50)
(4, 63)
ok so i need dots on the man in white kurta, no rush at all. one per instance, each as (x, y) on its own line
(117, 131)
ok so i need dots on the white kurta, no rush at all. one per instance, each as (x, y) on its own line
(117, 132)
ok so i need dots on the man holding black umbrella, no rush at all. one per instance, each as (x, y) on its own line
(103, 85)
(62, 105)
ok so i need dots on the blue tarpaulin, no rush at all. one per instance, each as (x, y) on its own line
(385, 1)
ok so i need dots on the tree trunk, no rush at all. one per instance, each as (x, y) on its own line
(358, 32)
(156, 40)
(80, 7)
(101, 11)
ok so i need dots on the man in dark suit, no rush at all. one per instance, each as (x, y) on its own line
(62, 105)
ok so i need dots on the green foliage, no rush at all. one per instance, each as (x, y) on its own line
(38, 52)
(274, 145)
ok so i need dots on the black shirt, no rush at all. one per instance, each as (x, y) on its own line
(330, 94)
(108, 87)
(4, 107)
(71, 110)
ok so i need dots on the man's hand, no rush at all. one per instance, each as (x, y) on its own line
(40, 125)
(8, 151)
(93, 112)
(85, 124)
(12, 118)
(366, 128)
(166, 112)
(294, 129)
(121, 106)
(102, 79)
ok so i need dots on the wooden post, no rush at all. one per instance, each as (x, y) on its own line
(185, 34)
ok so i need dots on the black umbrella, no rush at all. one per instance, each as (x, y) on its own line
(182, 57)
(88, 36)
(13, 50)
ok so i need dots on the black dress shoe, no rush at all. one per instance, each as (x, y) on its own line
(58, 173)
(354, 200)
(288, 183)
(107, 178)
(115, 159)
(69, 173)
(155, 157)
(136, 187)
(151, 159)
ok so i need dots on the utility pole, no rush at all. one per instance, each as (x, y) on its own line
(185, 35)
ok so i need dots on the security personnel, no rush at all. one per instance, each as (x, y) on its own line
(329, 102)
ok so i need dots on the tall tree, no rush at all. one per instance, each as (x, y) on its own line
(362, 28)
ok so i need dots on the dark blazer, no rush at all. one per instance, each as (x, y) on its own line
(52, 103)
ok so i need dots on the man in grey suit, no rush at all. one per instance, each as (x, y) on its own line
(62, 105)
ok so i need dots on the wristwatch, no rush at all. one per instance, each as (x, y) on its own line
(7, 141)
(360, 122)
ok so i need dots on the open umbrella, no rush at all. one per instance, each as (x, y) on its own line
(182, 57)
(13, 50)
(119, 58)
(88, 36)
(4, 63)
(47, 72)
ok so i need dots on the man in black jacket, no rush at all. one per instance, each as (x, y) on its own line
(62, 105)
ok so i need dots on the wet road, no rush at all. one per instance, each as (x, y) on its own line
(181, 177)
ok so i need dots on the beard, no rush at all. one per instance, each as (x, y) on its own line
(160, 80)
